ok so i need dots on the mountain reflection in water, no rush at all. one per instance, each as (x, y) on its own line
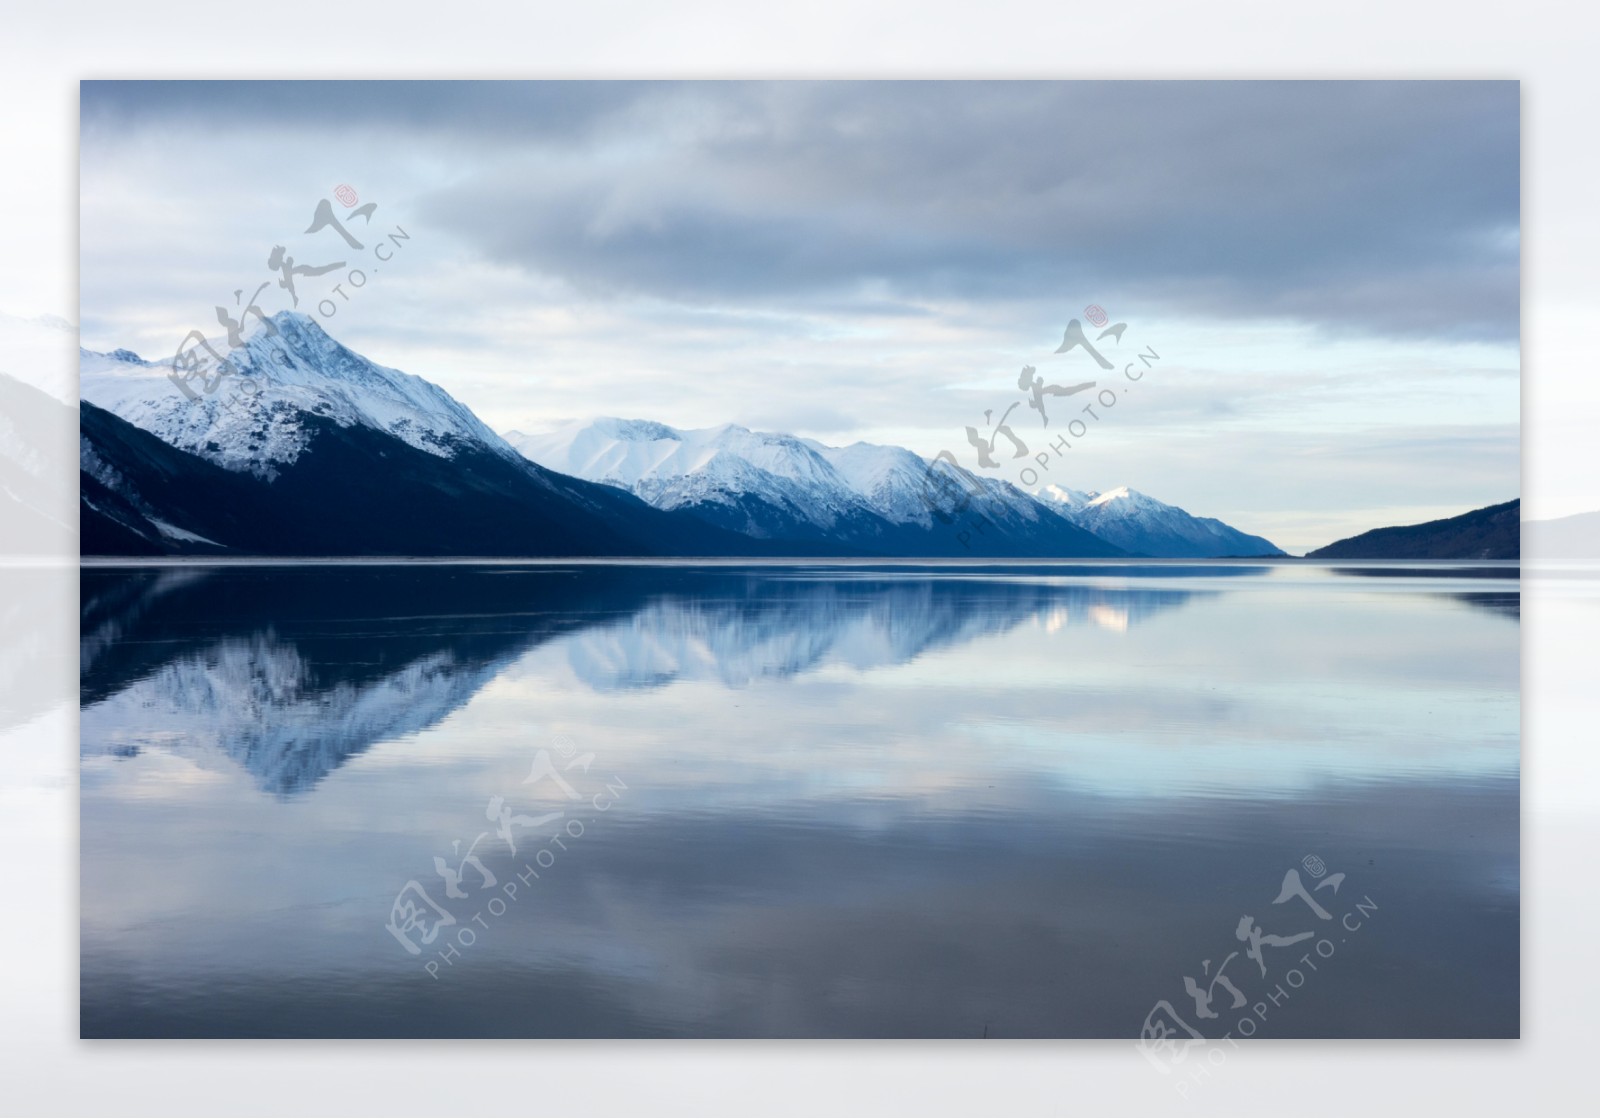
(291, 671)
(853, 800)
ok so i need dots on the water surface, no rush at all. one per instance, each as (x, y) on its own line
(799, 801)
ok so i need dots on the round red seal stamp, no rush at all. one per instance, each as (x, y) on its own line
(1095, 314)
(346, 193)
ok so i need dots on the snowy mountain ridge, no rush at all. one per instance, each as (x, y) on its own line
(730, 468)
(684, 491)
(1139, 523)
(730, 465)
(296, 370)
(720, 466)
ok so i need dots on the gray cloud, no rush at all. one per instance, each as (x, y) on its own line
(1383, 207)
(500, 110)
(1390, 208)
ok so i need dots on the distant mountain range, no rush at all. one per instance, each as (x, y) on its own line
(1491, 533)
(1142, 525)
(36, 504)
(861, 499)
(871, 497)
(1575, 537)
(333, 454)
(38, 436)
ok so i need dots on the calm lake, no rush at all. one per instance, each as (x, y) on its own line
(806, 800)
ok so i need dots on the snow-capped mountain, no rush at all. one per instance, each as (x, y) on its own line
(38, 513)
(1142, 525)
(38, 436)
(312, 449)
(895, 484)
(41, 352)
(332, 454)
(882, 500)
(767, 486)
(296, 372)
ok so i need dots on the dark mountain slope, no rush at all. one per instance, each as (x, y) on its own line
(1491, 533)
(357, 491)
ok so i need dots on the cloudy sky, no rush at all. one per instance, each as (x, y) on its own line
(1328, 271)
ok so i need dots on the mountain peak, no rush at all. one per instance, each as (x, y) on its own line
(296, 320)
(1143, 525)
(298, 333)
(778, 486)
(300, 377)
(633, 431)
(1119, 494)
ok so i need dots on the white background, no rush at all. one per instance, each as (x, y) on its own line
(1551, 47)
